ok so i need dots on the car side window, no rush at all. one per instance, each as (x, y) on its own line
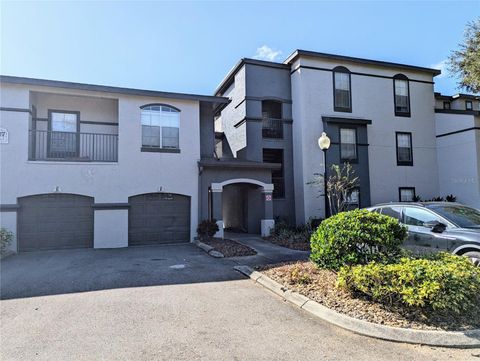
(418, 217)
(394, 212)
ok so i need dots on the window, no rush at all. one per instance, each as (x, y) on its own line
(394, 212)
(446, 105)
(63, 137)
(402, 95)
(272, 125)
(276, 156)
(468, 105)
(418, 217)
(353, 200)
(406, 194)
(342, 91)
(404, 149)
(348, 144)
(160, 127)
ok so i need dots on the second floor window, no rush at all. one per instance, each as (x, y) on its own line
(160, 127)
(348, 144)
(404, 149)
(402, 95)
(468, 105)
(342, 95)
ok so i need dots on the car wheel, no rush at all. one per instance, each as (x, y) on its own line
(474, 257)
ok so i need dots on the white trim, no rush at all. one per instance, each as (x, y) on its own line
(458, 249)
(218, 187)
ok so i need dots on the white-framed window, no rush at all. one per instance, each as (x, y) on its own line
(160, 127)
(342, 90)
(406, 194)
(468, 105)
(348, 144)
(402, 100)
(353, 200)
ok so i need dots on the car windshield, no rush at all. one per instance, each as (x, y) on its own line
(464, 217)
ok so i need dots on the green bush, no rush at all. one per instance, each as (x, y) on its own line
(207, 228)
(6, 238)
(286, 233)
(442, 282)
(356, 237)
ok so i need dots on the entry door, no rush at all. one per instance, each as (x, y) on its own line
(63, 136)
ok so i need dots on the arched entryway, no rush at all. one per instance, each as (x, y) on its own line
(243, 205)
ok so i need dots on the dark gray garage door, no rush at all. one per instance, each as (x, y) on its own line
(55, 221)
(156, 218)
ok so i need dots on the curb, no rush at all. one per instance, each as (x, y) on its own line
(209, 249)
(458, 339)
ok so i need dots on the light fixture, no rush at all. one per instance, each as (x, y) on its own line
(324, 141)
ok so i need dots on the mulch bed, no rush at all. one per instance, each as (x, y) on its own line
(319, 285)
(298, 245)
(230, 248)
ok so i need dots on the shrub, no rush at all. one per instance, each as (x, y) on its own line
(443, 282)
(356, 237)
(6, 238)
(283, 233)
(299, 274)
(207, 228)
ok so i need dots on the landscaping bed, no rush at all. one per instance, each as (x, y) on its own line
(297, 244)
(230, 248)
(320, 285)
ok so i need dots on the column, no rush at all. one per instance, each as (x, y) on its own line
(267, 223)
(217, 209)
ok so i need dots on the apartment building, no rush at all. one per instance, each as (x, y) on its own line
(97, 166)
(457, 129)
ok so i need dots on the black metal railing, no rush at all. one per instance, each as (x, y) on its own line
(272, 128)
(72, 146)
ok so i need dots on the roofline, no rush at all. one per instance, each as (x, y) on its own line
(439, 95)
(226, 81)
(109, 89)
(300, 52)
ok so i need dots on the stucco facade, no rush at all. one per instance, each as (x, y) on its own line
(134, 173)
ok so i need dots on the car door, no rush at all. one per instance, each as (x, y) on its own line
(421, 239)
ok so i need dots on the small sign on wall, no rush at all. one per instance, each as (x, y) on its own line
(3, 136)
(268, 197)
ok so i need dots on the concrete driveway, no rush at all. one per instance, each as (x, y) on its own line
(165, 303)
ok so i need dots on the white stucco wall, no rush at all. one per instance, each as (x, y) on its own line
(135, 172)
(459, 157)
(372, 98)
(108, 236)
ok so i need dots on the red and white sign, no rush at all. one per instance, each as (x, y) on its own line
(268, 197)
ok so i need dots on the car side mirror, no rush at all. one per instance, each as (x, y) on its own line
(436, 226)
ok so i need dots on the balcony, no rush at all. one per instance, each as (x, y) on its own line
(72, 146)
(272, 128)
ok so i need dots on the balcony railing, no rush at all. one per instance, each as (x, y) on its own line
(70, 146)
(272, 128)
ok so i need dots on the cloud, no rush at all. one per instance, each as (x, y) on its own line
(442, 66)
(266, 53)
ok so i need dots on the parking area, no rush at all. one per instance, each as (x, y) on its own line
(165, 303)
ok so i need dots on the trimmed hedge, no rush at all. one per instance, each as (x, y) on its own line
(443, 282)
(356, 237)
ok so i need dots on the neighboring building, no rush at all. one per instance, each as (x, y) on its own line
(97, 166)
(457, 121)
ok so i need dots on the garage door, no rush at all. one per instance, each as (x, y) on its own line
(157, 218)
(55, 221)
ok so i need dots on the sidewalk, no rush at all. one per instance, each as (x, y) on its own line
(267, 253)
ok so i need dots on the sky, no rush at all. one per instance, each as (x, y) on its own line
(189, 47)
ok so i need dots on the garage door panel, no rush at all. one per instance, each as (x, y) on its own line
(55, 221)
(158, 218)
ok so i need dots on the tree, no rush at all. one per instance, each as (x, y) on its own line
(340, 185)
(464, 63)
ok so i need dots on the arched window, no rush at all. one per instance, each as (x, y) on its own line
(342, 90)
(401, 91)
(160, 126)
